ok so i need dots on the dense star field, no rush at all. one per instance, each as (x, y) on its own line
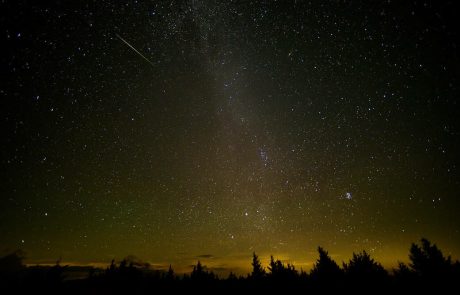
(180, 131)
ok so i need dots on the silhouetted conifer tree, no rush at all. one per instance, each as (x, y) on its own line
(258, 271)
(428, 261)
(279, 271)
(197, 270)
(112, 268)
(200, 274)
(170, 274)
(55, 275)
(325, 269)
(12, 262)
(403, 270)
(363, 267)
(232, 277)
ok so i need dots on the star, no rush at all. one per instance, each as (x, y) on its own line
(348, 196)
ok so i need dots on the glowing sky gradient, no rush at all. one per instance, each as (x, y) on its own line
(180, 131)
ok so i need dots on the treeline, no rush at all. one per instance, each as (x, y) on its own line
(428, 270)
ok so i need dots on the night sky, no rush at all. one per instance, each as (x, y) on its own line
(180, 131)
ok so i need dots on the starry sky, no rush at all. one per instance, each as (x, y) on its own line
(186, 130)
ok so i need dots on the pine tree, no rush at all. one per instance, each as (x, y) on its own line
(325, 268)
(258, 271)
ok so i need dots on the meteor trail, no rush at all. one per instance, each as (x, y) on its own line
(135, 50)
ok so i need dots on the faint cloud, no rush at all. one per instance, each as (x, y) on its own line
(205, 256)
(159, 266)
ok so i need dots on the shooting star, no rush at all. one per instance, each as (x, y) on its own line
(135, 50)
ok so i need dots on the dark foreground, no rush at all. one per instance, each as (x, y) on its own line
(428, 272)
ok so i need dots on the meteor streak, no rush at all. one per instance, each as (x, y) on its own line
(135, 50)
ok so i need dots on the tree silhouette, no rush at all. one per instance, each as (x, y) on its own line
(428, 261)
(199, 273)
(197, 270)
(362, 267)
(232, 277)
(12, 262)
(276, 268)
(403, 271)
(428, 270)
(55, 275)
(404, 277)
(325, 270)
(258, 271)
(111, 269)
(279, 271)
(126, 275)
(430, 266)
(170, 274)
(11, 266)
